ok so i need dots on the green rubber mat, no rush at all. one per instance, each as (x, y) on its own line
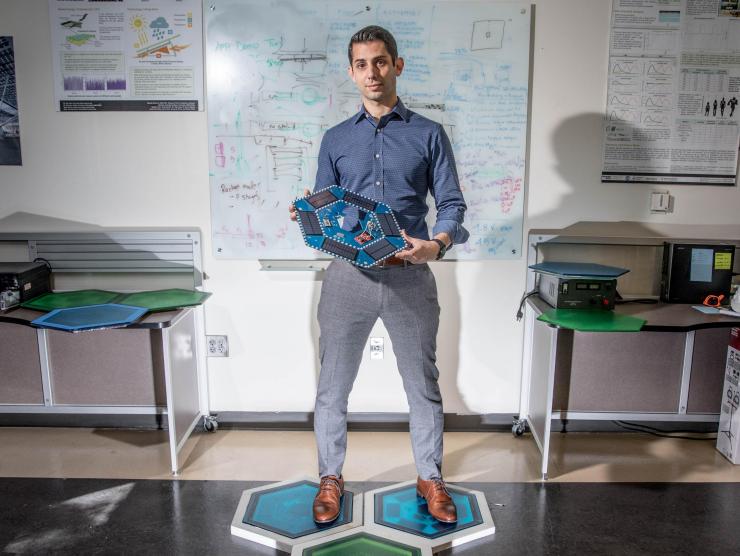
(65, 300)
(586, 320)
(164, 300)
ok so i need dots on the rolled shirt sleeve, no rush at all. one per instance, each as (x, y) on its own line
(445, 186)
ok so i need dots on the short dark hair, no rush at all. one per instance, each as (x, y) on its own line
(374, 33)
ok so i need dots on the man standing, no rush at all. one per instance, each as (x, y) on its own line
(391, 154)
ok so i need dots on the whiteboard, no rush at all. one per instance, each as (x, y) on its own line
(277, 80)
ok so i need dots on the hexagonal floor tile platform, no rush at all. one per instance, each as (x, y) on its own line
(66, 300)
(397, 508)
(279, 515)
(165, 300)
(359, 541)
(91, 317)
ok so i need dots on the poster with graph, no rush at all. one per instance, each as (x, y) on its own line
(673, 90)
(143, 55)
(276, 75)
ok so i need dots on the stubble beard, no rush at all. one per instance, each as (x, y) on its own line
(377, 95)
(374, 95)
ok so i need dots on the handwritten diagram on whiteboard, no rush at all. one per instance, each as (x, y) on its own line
(277, 80)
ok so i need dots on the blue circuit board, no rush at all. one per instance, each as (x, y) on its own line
(349, 226)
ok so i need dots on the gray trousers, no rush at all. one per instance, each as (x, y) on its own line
(352, 300)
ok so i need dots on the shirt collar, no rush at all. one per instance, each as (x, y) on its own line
(399, 109)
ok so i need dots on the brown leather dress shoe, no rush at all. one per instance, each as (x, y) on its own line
(439, 501)
(327, 503)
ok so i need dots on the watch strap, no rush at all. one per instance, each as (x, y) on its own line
(442, 248)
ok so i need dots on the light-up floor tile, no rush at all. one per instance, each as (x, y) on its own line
(280, 515)
(359, 542)
(398, 508)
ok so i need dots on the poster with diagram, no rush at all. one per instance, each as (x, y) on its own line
(277, 80)
(143, 55)
(673, 90)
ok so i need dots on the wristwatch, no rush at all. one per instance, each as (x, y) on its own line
(442, 248)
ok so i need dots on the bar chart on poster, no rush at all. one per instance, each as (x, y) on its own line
(277, 80)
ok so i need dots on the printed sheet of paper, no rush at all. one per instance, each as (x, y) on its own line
(674, 86)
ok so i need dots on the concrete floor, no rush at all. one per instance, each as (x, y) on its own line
(372, 456)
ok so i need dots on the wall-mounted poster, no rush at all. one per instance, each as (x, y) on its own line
(10, 136)
(673, 90)
(144, 55)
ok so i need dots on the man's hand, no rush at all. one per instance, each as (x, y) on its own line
(421, 251)
(291, 207)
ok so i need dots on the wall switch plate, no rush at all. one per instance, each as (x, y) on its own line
(376, 348)
(661, 201)
(217, 345)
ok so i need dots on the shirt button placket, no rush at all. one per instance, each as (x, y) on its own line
(382, 172)
(380, 159)
(377, 163)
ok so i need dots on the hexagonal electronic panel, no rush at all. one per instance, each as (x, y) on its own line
(399, 509)
(356, 542)
(91, 317)
(280, 515)
(66, 300)
(349, 226)
(165, 300)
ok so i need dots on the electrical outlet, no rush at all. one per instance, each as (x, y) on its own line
(661, 201)
(376, 348)
(218, 346)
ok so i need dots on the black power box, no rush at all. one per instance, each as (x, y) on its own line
(20, 282)
(565, 292)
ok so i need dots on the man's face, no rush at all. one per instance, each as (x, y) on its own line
(373, 71)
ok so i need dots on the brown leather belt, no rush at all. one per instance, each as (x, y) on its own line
(392, 261)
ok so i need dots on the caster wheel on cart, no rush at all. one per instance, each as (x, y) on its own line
(211, 425)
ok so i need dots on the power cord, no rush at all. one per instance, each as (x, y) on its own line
(520, 311)
(634, 427)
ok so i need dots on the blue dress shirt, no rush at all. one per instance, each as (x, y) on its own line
(397, 160)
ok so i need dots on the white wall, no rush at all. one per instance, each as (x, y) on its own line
(151, 169)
